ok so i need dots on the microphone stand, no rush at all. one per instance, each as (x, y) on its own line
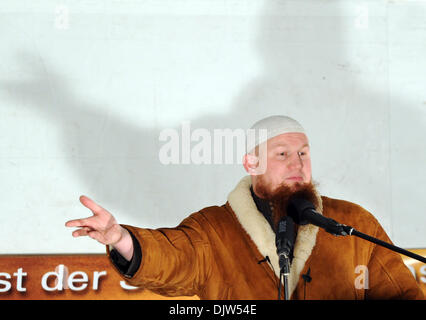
(344, 230)
(284, 262)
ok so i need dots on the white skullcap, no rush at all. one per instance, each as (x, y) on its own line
(274, 125)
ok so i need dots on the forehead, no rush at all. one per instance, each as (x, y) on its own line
(294, 139)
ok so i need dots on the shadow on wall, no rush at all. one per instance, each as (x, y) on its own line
(307, 74)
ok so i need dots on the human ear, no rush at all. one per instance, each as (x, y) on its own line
(251, 163)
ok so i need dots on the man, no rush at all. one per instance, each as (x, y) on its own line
(229, 251)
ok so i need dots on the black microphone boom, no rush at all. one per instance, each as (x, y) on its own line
(303, 212)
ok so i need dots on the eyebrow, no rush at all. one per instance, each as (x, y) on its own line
(280, 144)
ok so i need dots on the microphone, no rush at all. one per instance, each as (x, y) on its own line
(303, 212)
(284, 240)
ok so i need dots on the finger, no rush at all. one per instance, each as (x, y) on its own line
(92, 205)
(73, 223)
(85, 222)
(81, 232)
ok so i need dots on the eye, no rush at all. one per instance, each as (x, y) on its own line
(303, 154)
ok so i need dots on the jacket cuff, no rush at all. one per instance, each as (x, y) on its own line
(127, 268)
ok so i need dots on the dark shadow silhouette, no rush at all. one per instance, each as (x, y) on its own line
(306, 74)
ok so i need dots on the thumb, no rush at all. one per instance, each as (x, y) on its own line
(90, 204)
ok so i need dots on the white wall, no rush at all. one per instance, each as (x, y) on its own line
(86, 87)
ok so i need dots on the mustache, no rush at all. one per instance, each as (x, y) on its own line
(282, 195)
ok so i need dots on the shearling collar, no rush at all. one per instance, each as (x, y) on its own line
(259, 230)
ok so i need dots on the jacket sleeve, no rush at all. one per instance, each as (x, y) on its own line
(127, 268)
(389, 277)
(175, 261)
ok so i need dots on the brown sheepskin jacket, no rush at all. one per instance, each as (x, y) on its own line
(219, 253)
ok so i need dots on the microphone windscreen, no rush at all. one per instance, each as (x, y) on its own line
(295, 208)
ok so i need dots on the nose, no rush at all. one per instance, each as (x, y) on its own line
(294, 161)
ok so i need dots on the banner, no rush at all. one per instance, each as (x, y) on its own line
(66, 277)
(92, 277)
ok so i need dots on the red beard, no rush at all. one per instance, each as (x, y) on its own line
(281, 196)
